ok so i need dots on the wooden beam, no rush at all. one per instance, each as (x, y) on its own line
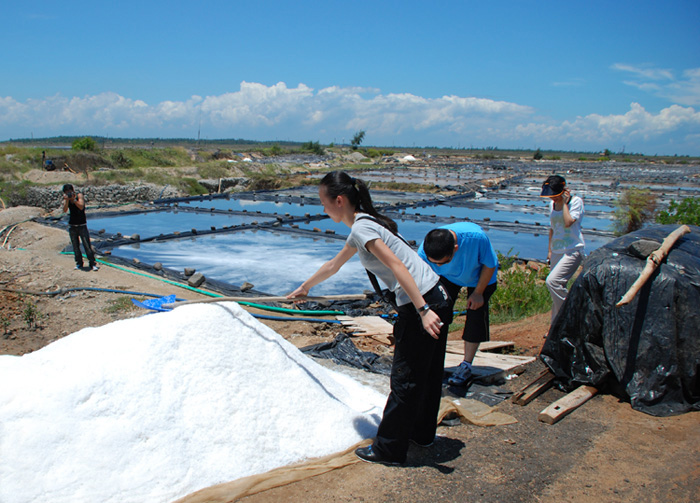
(457, 347)
(488, 368)
(539, 385)
(567, 404)
(367, 325)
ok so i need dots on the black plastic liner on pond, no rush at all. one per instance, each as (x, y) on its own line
(647, 351)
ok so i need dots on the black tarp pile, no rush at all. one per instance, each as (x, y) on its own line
(647, 351)
(344, 352)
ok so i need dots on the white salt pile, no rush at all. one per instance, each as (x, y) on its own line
(155, 408)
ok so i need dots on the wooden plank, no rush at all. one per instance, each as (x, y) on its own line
(567, 404)
(539, 385)
(387, 340)
(491, 367)
(458, 346)
(367, 325)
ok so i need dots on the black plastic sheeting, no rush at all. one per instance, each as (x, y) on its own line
(647, 351)
(344, 352)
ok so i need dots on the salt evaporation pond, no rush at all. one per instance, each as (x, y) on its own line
(154, 223)
(277, 261)
(523, 244)
(479, 211)
(249, 205)
(291, 238)
(274, 262)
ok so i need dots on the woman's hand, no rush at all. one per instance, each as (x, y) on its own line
(431, 323)
(299, 292)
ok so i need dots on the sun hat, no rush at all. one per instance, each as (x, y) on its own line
(553, 186)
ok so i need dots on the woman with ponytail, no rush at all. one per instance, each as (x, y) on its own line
(424, 315)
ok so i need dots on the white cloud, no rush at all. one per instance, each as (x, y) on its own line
(260, 112)
(663, 83)
(687, 90)
(635, 127)
(645, 71)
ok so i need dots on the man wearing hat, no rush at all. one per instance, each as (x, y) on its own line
(566, 245)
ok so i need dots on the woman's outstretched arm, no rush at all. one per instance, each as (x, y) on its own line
(324, 272)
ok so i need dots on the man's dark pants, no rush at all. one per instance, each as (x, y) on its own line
(79, 233)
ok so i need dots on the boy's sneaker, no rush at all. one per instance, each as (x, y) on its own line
(461, 375)
(95, 268)
(78, 267)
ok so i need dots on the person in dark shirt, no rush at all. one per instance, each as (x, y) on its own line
(77, 226)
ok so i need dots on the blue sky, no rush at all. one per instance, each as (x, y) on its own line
(573, 75)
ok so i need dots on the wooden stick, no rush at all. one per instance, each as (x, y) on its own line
(567, 404)
(653, 261)
(542, 383)
(263, 300)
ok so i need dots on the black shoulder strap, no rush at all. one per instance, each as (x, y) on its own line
(383, 294)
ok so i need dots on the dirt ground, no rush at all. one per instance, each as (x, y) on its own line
(603, 451)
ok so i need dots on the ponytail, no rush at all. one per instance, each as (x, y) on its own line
(339, 183)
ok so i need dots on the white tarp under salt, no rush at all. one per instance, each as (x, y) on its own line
(154, 408)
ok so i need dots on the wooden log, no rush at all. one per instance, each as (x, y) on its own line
(653, 261)
(539, 385)
(263, 300)
(567, 404)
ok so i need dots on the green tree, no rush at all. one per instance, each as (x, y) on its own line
(313, 146)
(538, 155)
(685, 212)
(357, 139)
(633, 209)
(85, 143)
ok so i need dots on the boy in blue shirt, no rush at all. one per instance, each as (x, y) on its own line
(462, 255)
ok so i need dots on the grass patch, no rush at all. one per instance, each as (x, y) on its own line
(144, 158)
(214, 170)
(13, 193)
(521, 293)
(269, 178)
(120, 305)
(191, 186)
(404, 187)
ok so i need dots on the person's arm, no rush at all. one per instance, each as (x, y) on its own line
(431, 321)
(568, 219)
(476, 299)
(65, 203)
(80, 201)
(324, 272)
(549, 246)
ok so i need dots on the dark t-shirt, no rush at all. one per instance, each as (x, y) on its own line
(77, 216)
